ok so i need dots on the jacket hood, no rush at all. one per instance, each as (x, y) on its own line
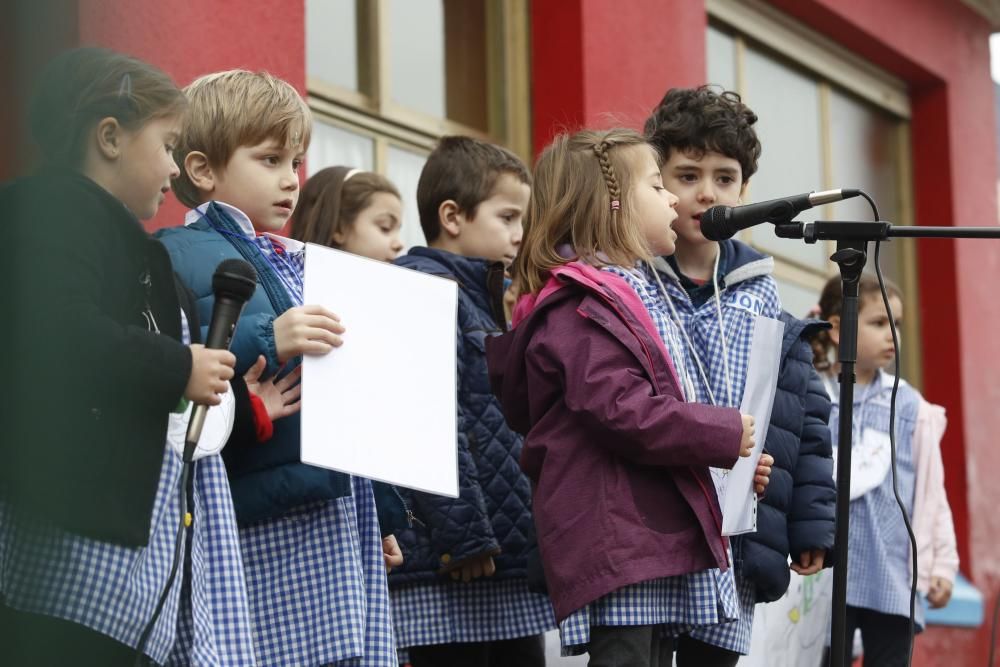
(796, 329)
(506, 354)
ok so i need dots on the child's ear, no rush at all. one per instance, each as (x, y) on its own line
(450, 217)
(199, 171)
(109, 136)
(743, 189)
(835, 331)
(339, 238)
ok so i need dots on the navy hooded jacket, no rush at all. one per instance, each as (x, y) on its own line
(797, 513)
(491, 516)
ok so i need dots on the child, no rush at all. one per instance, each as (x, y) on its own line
(627, 517)
(309, 537)
(716, 291)
(471, 198)
(879, 571)
(358, 212)
(90, 513)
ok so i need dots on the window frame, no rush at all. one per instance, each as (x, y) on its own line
(753, 24)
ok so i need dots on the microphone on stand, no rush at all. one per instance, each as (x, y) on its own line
(722, 222)
(233, 284)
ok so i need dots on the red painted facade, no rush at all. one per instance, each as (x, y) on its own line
(599, 62)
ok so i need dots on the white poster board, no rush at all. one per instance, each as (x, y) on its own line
(383, 405)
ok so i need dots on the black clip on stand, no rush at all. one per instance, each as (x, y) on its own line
(852, 243)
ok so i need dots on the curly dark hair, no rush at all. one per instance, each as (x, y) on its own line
(704, 119)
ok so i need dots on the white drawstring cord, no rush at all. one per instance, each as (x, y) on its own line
(690, 346)
(722, 329)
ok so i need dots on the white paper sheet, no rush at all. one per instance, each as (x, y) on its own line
(739, 504)
(382, 405)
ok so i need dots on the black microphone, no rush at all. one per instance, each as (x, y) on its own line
(721, 222)
(233, 284)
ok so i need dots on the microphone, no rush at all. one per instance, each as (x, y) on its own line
(721, 222)
(233, 284)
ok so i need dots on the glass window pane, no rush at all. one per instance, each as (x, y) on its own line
(416, 61)
(795, 298)
(403, 169)
(864, 155)
(438, 58)
(721, 50)
(332, 146)
(787, 105)
(332, 41)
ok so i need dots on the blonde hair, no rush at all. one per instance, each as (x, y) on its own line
(331, 201)
(235, 108)
(578, 178)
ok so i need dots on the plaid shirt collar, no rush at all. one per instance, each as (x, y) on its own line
(245, 225)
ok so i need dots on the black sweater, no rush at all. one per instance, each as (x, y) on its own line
(89, 386)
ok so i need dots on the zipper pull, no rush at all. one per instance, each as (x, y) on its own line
(411, 519)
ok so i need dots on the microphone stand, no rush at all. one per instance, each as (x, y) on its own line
(852, 244)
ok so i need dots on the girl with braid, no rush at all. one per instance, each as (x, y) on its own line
(628, 522)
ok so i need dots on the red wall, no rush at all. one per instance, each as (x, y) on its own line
(600, 63)
(592, 56)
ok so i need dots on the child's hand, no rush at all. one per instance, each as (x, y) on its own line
(306, 330)
(940, 592)
(810, 562)
(763, 476)
(473, 568)
(210, 370)
(747, 443)
(390, 553)
(280, 398)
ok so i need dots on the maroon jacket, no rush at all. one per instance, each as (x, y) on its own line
(618, 461)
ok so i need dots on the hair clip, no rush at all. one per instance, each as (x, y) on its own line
(615, 205)
(348, 175)
(125, 87)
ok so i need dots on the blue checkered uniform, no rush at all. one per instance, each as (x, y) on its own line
(878, 571)
(678, 604)
(448, 612)
(317, 584)
(113, 589)
(316, 575)
(746, 292)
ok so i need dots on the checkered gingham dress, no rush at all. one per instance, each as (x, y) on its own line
(114, 589)
(316, 575)
(745, 294)
(448, 612)
(678, 604)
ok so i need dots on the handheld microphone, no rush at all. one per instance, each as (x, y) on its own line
(722, 222)
(233, 284)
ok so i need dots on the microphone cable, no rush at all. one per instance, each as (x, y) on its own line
(185, 523)
(892, 437)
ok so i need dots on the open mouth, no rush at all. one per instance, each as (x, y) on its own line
(285, 204)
